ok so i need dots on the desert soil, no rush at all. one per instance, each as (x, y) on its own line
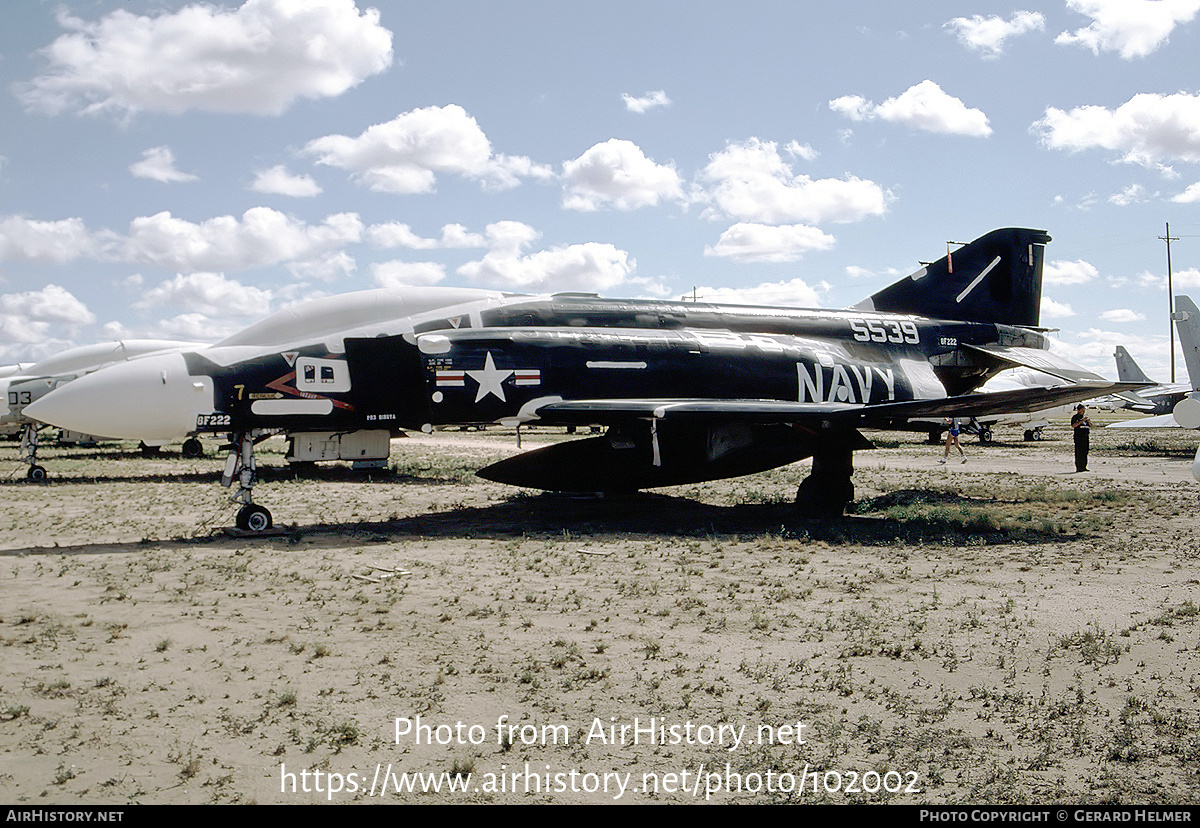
(1000, 631)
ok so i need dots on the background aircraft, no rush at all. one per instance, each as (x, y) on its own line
(31, 382)
(689, 391)
(1158, 398)
(1185, 410)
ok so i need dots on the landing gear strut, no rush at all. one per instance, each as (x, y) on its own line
(29, 447)
(827, 491)
(241, 465)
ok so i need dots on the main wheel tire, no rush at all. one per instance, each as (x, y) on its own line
(253, 518)
(823, 499)
(36, 474)
(193, 448)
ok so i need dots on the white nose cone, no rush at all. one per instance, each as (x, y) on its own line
(153, 398)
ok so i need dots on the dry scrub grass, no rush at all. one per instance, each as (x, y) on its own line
(1020, 634)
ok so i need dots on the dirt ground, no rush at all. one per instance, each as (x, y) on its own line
(1001, 631)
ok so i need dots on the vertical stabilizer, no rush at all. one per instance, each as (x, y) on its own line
(996, 278)
(1127, 369)
(1187, 322)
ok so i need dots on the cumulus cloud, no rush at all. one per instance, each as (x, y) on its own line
(1093, 349)
(1145, 130)
(262, 236)
(591, 266)
(158, 164)
(1055, 310)
(27, 317)
(209, 294)
(404, 155)
(183, 327)
(1132, 28)
(923, 106)
(257, 59)
(617, 173)
(278, 180)
(794, 293)
(396, 234)
(746, 242)
(1122, 315)
(55, 242)
(802, 151)
(325, 267)
(751, 182)
(1059, 273)
(987, 34)
(1133, 194)
(646, 102)
(405, 274)
(1189, 196)
(1188, 278)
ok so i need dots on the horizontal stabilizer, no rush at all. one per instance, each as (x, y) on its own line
(1136, 402)
(1044, 361)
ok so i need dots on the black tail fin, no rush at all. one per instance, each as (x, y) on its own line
(996, 278)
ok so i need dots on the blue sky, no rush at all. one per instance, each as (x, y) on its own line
(179, 170)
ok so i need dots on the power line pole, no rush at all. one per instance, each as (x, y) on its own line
(1170, 296)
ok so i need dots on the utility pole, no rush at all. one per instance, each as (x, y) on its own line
(1170, 296)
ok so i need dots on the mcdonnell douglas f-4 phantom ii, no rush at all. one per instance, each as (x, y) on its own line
(1182, 404)
(688, 391)
(1156, 398)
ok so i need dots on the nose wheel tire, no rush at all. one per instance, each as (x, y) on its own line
(253, 518)
(36, 474)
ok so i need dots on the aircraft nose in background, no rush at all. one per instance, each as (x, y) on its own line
(144, 399)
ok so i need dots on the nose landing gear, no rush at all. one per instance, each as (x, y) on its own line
(240, 464)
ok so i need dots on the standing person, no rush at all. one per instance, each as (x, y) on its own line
(952, 437)
(1081, 427)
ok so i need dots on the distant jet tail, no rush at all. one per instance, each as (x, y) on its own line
(1127, 369)
(1187, 322)
(996, 278)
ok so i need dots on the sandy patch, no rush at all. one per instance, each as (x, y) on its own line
(1035, 640)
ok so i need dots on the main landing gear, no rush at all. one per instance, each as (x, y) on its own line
(241, 465)
(827, 491)
(829, 488)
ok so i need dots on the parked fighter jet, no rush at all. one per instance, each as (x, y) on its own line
(31, 382)
(1158, 398)
(689, 392)
(1185, 408)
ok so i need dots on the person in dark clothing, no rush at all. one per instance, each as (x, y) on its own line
(1081, 427)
